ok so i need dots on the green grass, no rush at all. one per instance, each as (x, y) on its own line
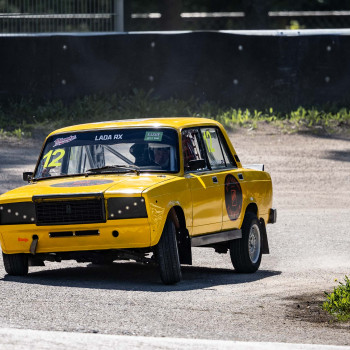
(338, 302)
(25, 118)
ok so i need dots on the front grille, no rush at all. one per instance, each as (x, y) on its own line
(64, 212)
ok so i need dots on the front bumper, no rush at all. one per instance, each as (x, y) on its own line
(114, 234)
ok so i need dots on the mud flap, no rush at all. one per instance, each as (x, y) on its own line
(264, 244)
(34, 245)
(183, 240)
(185, 249)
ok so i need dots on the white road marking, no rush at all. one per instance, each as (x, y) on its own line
(18, 339)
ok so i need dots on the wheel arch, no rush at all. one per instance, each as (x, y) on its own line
(177, 214)
(253, 208)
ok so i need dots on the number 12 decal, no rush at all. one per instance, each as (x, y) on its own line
(209, 141)
(54, 162)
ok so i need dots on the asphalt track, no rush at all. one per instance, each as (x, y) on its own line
(309, 249)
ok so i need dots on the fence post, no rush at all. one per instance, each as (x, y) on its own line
(256, 14)
(119, 15)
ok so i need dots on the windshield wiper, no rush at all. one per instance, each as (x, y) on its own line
(114, 168)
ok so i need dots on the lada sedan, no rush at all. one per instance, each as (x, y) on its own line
(147, 190)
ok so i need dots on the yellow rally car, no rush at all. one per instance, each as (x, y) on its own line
(147, 190)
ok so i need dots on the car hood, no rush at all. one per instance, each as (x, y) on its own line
(108, 185)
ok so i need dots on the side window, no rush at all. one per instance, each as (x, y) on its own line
(213, 148)
(218, 155)
(192, 148)
(230, 162)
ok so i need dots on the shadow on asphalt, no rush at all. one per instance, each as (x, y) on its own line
(138, 277)
(322, 135)
(343, 156)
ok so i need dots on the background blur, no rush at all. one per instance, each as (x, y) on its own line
(241, 53)
(22, 16)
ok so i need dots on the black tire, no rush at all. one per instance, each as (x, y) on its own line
(167, 255)
(15, 264)
(246, 251)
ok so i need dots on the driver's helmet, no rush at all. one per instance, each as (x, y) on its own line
(140, 152)
(160, 154)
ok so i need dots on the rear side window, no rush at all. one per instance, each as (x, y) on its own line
(217, 151)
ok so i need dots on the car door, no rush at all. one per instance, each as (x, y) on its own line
(203, 183)
(224, 168)
(228, 176)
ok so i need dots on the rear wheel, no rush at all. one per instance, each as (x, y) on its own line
(167, 255)
(246, 251)
(16, 264)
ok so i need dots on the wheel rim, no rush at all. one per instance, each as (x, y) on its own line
(254, 243)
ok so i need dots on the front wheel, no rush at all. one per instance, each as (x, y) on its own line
(167, 255)
(15, 264)
(246, 251)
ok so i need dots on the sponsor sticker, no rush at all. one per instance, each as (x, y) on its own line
(154, 136)
(62, 140)
(108, 137)
(233, 197)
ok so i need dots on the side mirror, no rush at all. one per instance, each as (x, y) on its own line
(197, 164)
(27, 176)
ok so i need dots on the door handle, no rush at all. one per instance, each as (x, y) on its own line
(215, 179)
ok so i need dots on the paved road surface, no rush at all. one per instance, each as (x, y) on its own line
(309, 247)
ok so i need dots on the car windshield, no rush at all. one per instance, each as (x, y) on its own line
(109, 151)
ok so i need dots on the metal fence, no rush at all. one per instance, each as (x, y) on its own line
(237, 20)
(38, 16)
(309, 19)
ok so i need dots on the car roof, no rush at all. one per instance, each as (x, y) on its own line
(177, 123)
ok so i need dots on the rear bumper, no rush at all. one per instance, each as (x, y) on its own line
(272, 216)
